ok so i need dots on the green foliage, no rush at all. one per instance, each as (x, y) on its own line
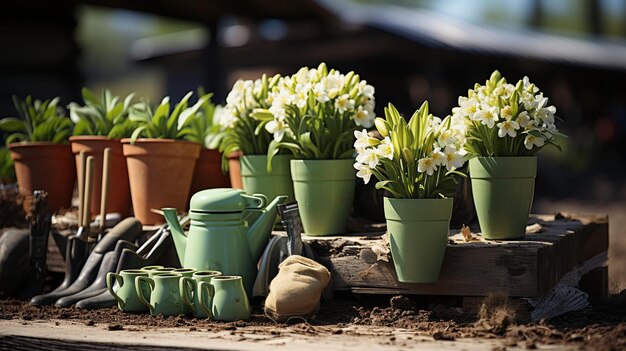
(7, 172)
(162, 122)
(107, 116)
(38, 121)
(201, 127)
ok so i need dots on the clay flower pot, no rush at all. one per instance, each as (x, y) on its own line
(208, 173)
(234, 170)
(160, 173)
(119, 191)
(45, 166)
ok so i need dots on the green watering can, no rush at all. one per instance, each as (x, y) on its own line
(229, 230)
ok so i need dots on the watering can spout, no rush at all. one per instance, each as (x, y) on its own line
(180, 240)
(260, 230)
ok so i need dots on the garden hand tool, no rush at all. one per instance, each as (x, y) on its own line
(109, 264)
(297, 289)
(281, 247)
(106, 157)
(128, 229)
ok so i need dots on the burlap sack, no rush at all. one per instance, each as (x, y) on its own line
(296, 290)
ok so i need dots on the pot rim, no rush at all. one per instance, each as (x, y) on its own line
(157, 140)
(91, 137)
(20, 144)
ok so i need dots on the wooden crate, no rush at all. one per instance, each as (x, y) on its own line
(522, 268)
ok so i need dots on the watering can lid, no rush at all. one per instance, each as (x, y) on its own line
(218, 200)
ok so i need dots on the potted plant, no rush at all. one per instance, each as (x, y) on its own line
(506, 125)
(39, 149)
(416, 163)
(203, 129)
(100, 123)
(160, 162)
(246, 135)
(314, 114)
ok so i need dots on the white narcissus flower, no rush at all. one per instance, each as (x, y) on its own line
(363, 172)
(362, 140)
(363, 117)
(321, 95)
(344, 103)
(507, 127)
(487, 115)
(427, 165)
(437, 156)
(524, 120)
(366, 90)
(226, 117)
(301, 96)
(506, 112)
(385, 149)
(467, 107)
(531, 141)
(453, 158)
(276, 127)
(368, 157)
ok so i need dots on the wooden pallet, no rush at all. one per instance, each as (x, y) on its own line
(523, 268)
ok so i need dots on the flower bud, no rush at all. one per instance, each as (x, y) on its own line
(381, 126)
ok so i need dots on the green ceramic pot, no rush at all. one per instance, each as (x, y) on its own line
(126, 293)
(150, 268)
(418, 235)
(189, 291)
(154, 271)
(229, 301)
(163, 295)
(324, 190)
(256, 179)
(503, 190)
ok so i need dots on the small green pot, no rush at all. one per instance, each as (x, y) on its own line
(189, 291)
(160, 293)
(256, 179)
(126, 292)
(228, 298)
(418, 235)
(503, 190)
(324, 190)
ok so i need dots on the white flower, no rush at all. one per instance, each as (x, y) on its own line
(427, 165)
(487, 115)
(506, 112)
(366, 90)
(448, 137)
(528, 86)
(320, 92)
(363, 172)
(363, 117)
(453, 158)
(507, 127)
(437, 156)
(530, 141)
(368, 157)
(385, 149)
(276, 127)
(362, 140)
(301, 97)
(225, 117)
(524, 120)
(344, 103)
(332, 84)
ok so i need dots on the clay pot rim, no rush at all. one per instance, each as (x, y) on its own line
(92, 137)
(21, 144)
(157, 140)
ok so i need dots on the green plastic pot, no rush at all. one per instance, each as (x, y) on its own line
(256, 179)
(324, 190)
(503, 190)
(418, 235)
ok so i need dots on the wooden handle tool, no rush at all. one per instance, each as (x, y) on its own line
(106, 158)
(88, 190)
(82, 166)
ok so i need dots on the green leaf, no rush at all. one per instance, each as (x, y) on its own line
(12, 124)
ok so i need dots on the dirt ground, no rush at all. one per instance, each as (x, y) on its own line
(601, 327)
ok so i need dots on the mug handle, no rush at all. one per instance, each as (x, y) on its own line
(205, 291)
(120, 282)
(186, 287)
(140, 282)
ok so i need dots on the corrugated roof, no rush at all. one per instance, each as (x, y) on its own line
(433, 29)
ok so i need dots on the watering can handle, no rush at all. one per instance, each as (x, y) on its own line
(255, 201)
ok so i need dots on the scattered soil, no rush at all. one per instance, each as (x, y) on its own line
(601, 327)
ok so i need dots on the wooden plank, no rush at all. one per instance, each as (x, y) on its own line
(523, 268)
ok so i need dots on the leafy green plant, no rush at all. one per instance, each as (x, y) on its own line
(315, 112)
(162, 122)
(415, 160)
(7, 172)
(241, 132)
(506, 120)
(106, 116)
(38, 121)
(202, 127)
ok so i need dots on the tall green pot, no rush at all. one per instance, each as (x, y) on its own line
(257, 180)
(324, 190)
(418, 235)
(503, 190)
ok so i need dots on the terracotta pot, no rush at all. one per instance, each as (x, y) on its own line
(208, 173)
(47, 166)
(119, 191)
(160, 172)
(234, 170)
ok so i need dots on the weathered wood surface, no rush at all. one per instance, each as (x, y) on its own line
(523, 268)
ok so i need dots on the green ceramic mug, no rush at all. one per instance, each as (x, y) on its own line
(126, 293)
(186, 273)
(229, 300)
(149, 268)
(163, 295)
(155, 271)
(189, 291)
